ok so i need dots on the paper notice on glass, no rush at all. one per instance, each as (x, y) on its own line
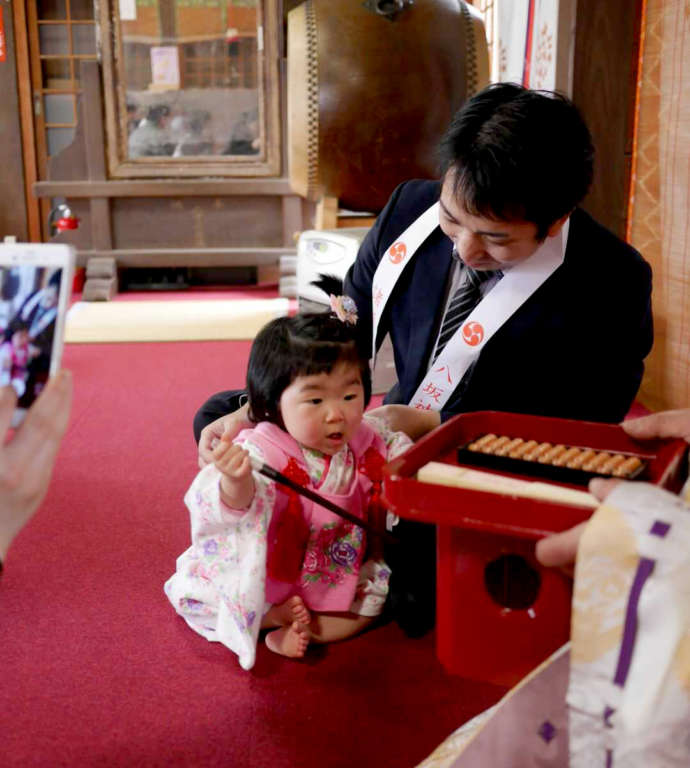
(165, 67)
(128, 10)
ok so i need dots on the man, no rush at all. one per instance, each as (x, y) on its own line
(514, 163)
(39, 312)
(567, 338)
(498, 292)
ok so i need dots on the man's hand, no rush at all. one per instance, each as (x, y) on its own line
(226, 426)
(26, 462)
(561, 548)
(662, 424)
(404, 418)
(236, 482)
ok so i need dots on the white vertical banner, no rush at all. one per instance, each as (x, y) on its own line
(511, 35)
(543, 54)
(535, 41)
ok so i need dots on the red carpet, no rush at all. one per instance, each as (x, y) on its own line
(97, 668)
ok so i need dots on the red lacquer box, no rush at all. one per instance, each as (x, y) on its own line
(499, 612)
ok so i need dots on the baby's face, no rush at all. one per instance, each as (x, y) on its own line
(324, 411)
(20, 338)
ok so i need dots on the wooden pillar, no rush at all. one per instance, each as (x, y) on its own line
(326, 213)
(166, 17)
(94, 139)
(292, 219)
(20, 54)
(605, 66)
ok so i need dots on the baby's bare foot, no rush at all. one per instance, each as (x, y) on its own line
(298, 610)
(282, 615)
(289, 641)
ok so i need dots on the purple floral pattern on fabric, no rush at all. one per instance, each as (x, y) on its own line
(194, 607)
(333, 552)
(243, 619)
(343, 553)
(547, 731)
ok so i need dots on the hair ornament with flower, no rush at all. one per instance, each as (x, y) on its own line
(344, 308)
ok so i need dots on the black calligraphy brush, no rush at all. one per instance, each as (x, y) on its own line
(278, 477)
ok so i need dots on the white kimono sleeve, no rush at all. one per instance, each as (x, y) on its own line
(219, 587)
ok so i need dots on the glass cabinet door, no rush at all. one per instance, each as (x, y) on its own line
(191, 87)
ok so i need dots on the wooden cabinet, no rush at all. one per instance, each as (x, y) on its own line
(159, 121)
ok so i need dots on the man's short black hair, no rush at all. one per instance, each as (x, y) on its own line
(518, 155)
(55, 278)
(303, 345)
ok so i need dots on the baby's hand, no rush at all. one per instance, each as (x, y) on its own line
(231, 460)
(236, 482)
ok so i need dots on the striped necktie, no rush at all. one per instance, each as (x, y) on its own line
(463, 302)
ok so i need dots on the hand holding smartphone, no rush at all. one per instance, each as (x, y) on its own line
(35, 287)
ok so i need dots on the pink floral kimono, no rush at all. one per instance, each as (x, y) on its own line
(243, 561)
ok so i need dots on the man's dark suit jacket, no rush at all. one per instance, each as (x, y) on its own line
(575, 349)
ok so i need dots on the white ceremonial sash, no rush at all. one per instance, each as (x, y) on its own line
(394, 261)
(503, 300)
(516, 286)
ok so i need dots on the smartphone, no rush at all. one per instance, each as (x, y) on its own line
(35, 288)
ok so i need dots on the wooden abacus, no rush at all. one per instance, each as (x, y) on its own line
(560, 462)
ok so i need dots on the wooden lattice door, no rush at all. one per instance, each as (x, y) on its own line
(59, 35)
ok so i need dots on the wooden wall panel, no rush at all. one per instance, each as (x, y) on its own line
(604, 76)
(197, 222)
(13, 216)
(660, 220)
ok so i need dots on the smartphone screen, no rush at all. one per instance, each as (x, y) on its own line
(35, 285)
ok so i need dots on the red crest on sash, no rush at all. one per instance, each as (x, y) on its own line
(397, 252)
(472, 333)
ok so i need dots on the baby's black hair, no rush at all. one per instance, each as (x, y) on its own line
(16, 325)
(303, 345)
